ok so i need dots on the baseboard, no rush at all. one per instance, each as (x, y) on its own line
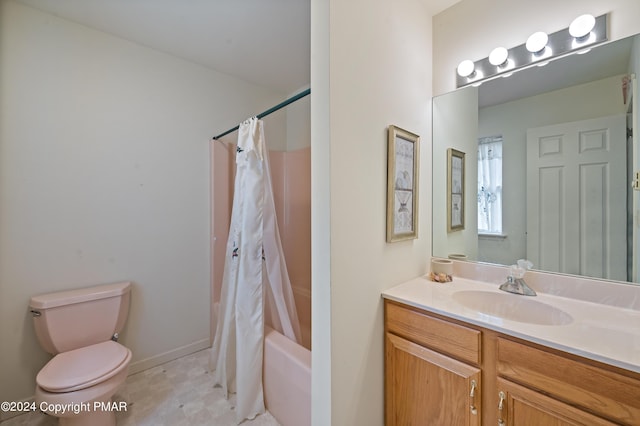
(154, 361)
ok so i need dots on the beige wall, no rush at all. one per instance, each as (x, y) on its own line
(472, 28)
(104, 176)
(370, 68)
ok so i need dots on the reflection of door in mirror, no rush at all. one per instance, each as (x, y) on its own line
(576, 191)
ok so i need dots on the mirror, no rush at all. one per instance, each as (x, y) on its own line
(565, 155)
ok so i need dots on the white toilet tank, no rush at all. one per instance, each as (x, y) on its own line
(72, 319)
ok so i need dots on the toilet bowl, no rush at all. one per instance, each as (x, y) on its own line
(80, 327)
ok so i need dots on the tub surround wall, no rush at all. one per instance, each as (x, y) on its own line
(104, 177)
(291, 173)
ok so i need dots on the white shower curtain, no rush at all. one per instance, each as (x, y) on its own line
(255, 281)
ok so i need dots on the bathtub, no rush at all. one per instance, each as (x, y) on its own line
(286, 379)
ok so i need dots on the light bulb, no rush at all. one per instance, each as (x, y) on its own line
(537, 42)
(466, 68)
(582, 26)
(498, 56)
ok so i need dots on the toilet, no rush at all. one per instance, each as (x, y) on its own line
(80, 328)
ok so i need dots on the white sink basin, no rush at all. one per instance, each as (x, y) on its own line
(512, 307)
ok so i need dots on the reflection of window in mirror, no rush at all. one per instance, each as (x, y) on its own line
(490, 185)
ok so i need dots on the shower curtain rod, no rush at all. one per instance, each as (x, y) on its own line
(270, 110)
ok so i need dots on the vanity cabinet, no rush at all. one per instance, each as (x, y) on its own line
(444, 371)
(432, 375)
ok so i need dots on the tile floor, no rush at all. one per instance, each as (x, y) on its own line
(178, 393)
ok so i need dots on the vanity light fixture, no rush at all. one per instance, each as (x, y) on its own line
(466, 68)
(581, 27)
(499, 57)
(581, 31)
(537, 43)
(466, 71)
(584, 32)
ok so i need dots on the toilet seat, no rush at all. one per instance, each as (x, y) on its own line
(83, 367)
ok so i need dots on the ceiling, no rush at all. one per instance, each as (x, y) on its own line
(265, 42)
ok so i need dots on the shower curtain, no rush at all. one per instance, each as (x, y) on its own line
(255, 283)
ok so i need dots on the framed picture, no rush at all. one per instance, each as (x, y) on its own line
(402, 184)
(455, 190)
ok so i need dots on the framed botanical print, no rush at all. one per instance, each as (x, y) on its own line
(402, 184)
(455, 190)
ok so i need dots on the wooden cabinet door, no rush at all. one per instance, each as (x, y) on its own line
(423, 387)
(521, 406)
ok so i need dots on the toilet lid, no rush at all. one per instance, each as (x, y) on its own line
(83, 367)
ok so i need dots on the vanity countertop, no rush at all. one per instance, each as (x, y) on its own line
(600, 332)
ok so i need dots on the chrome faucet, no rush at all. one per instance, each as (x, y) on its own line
(515, 281)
